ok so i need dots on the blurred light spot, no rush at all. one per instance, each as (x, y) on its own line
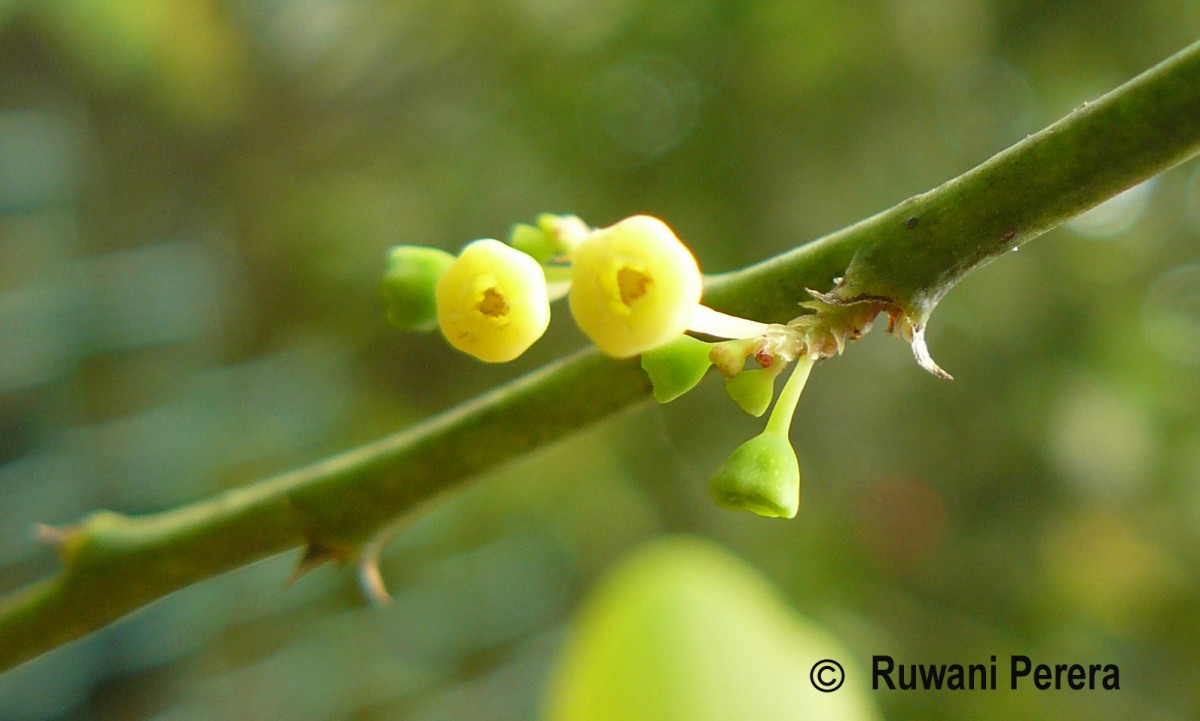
(158, 294)
(636, 111)
(138, 45)
(901, 522)
(799, 48)
(39, 159)
(935, 34)
(576, 24)
(1097, 564)
(1115, 215)
(1103, 445)
(1171, 314)
(986, 105)
(36, 343)
(303, 32)
(331, 47)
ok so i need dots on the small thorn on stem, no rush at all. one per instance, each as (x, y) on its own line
(315, 554)
(921, 351)
(370, 580)
(52, 536)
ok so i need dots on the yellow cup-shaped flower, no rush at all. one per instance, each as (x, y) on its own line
(634, 286)
(492, 301)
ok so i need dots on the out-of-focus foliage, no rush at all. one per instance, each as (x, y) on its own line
(682, 631)
(195, 201)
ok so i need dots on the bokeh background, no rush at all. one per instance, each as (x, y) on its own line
(195, 201)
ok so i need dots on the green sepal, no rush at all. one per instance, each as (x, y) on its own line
(676, 367)
(753, 389)
(409, 285)
(762, 476)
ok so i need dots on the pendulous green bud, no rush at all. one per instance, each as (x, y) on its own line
(410, 285)
(676, 367)
(762, 476)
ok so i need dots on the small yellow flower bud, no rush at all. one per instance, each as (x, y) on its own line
(634, 286)
(492, 301)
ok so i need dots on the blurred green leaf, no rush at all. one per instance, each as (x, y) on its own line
(682, 630)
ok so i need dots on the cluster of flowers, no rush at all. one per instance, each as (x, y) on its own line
(633, 288)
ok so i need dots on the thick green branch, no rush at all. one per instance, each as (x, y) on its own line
(906, 257)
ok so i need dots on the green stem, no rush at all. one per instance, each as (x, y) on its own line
(785, 406)
(905, 257)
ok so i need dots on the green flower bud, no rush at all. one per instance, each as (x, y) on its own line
(492, 301)
(634, 286)
(676, 368)
(753, 389)
(554, 235)
(762, 476)
(410, 285)
(567, 231)
(532, 241)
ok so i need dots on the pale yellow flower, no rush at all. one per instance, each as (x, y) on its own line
(492, 301)
(634, 286)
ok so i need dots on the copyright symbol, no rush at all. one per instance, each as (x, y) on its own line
(827, 676)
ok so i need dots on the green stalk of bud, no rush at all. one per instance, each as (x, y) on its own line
(763, 474)
(409, 285)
